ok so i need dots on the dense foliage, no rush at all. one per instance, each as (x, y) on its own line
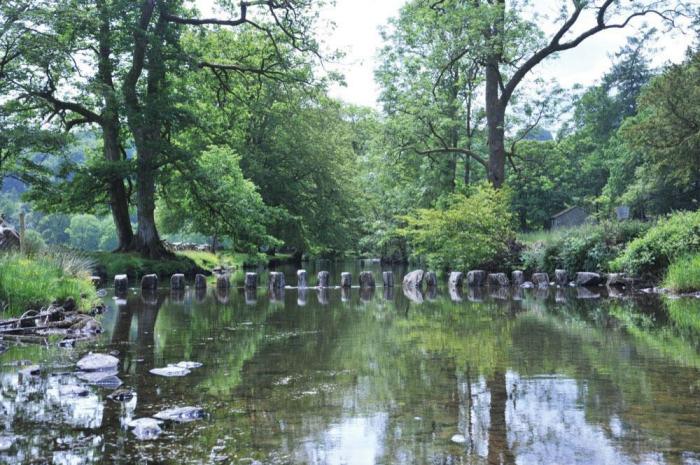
(669, 239)
(464, 231)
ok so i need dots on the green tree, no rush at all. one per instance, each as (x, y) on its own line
(84, 232)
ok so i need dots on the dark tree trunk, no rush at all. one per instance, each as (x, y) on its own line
(499, 452)
(118, 198)
(495, 120)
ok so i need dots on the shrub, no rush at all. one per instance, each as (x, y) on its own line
(586, 248)
(684, 274)
(32, 282)
(465, 231)
(669, 239)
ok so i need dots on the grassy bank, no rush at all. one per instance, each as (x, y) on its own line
(189, 262)
(684, 274)
(33, 282)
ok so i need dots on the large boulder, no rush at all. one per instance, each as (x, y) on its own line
(476, 278)
(324, 279)
(367, 280)
(498, 280)
(456, 279)
(540, 280)
(345, 279)
(561, 277)
(388, 278)
(517, 277)
(414, 280)
(149, 282)
(586, 279)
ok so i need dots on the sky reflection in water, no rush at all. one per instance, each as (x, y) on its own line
(357, 378)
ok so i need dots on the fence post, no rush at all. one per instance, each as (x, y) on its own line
(22, 247)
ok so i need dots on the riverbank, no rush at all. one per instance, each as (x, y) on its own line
(30, 283)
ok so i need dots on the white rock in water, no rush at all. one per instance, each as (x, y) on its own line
(186, 365)
(6, 443)
(170, 371)
(72, 390)
(459, 439)
(181, 414)
(145, 428)
(94, 362)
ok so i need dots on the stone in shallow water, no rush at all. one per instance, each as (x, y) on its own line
(186, 365)
(105, 379)
(459, 439)
(73, 390)
(170, 371)
(122, 395)
(31, 370)
(181, 414)
(145, 428)
(95, 362)
(6, 442)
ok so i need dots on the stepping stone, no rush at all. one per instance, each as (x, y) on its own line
(98, 362)
(170, 371)
(145, 429)
(181, 414)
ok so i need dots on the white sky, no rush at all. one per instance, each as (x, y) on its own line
(356, 33)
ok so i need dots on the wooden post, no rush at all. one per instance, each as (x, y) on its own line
(22, 247)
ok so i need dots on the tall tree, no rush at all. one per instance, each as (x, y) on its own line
(509, 46)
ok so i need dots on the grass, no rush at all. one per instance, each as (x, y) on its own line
(683, 275)
(188, 262)
(32, 282)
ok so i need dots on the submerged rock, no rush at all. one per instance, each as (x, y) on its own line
(31, 370)
(181, 414)
(105, 379)
(122, 395)
(458, 439)
(6, 442)
(170, 371)
(73, 390)
(145, 428)
(98, 362)
(186, 365)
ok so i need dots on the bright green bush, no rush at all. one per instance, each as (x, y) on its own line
(684, 274)
(671, 238)
(586, 248)
(465, 231)
(33, 282)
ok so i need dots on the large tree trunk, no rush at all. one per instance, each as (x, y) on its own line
(147, 242)
(495, 121)
(118, 198)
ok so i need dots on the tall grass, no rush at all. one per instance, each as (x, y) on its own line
(30, 282)
(684, 275)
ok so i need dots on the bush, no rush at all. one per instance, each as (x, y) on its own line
(33, 282)
(684, 274)
(587, 248)
(671, 238)
(466, 231)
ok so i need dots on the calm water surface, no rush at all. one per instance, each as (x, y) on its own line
(557, 377)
